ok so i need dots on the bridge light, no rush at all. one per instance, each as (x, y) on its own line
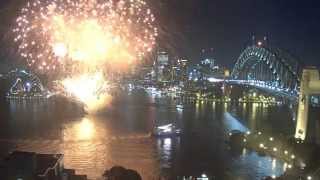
(204, 175)
(261, 145)
(259, 43)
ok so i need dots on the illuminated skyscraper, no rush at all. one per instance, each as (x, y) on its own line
(161, 66)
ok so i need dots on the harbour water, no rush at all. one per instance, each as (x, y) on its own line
(120, 135)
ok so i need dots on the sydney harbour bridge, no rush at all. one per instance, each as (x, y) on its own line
(268, 68)
(259, 66)
(275, 70)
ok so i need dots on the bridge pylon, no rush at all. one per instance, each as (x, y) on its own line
(309, 85)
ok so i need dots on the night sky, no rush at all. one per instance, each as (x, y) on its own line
(187, 26)
(228, 25)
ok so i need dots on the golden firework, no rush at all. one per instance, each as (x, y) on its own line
(51, 33)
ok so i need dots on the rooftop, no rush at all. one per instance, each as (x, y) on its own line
(38, 164)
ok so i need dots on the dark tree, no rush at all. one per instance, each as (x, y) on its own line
(121, 173)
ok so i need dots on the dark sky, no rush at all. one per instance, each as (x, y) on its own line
(227, 26)
(187, 26)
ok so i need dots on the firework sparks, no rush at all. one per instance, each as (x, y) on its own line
(89, 88)
(81, 36)
(53, 32)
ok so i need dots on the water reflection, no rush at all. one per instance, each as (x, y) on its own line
(267, 166)
(253, 117)
(165, 148)
(274, 161)
(232, 123)
(121, 136)
(91, 146)
(85, 130)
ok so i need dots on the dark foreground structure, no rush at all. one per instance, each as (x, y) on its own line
(121, 173)
(20, 165)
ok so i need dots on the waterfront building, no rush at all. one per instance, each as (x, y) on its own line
(23, 84)
(210, 62)
(20, 165)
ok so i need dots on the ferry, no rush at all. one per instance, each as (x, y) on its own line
(166, 130)
(179, 106)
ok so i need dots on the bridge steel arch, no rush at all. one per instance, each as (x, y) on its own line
(274, 67)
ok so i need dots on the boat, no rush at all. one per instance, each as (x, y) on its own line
(166, 131)
(179, 106)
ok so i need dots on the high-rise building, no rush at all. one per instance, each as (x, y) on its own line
(163, 58)
(178, 70)
(207, 68)
(207, 59)
(183, 70)
(210, 62)
(161, 66)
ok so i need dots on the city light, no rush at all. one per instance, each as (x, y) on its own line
(105, 83)
(261, 145)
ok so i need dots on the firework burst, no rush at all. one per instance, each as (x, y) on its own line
(95, 93)
(57, 33)
(81, 37)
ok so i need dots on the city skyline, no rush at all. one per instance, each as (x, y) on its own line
(188, 26)
(227, 27)
(159, 89)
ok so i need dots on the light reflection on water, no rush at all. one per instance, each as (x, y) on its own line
(85, 130)
(265, 164)
(121, 136)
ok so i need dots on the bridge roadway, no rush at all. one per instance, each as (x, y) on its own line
(266, 87)
(290, 94)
